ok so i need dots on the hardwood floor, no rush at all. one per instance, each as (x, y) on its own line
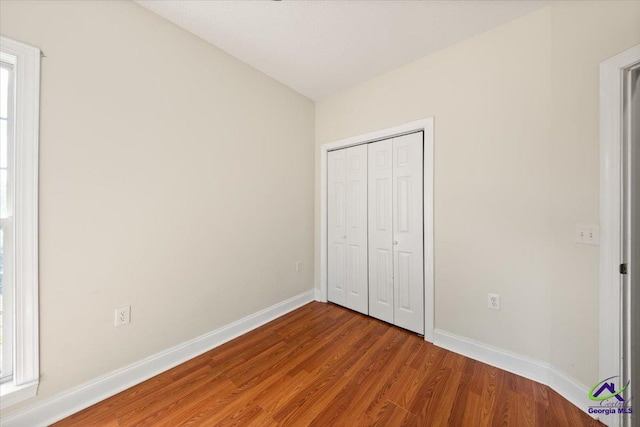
(323, 365)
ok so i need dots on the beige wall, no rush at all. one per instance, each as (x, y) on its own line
(516, 167)
(173, 177)
(584, 35)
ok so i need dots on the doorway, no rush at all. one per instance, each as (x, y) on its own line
(619, 367)
(425, 126)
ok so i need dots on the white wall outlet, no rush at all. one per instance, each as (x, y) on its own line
(298, 265)
(587, 234)
(493, 301)
(123, 316)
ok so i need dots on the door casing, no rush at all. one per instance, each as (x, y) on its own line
(611, 214)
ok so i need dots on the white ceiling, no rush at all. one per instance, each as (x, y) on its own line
(320, 47)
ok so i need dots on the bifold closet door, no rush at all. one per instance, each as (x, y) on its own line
(347, 228)
(396, 275)
(408, 246)
(381, 230)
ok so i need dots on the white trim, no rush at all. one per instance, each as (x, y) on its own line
(611, 141)
(428, 190)
(518, 364)
(506, 360)
(71, 401)
(317, 295)
(8, 63)
(12, 394)
(26, 371)
(572, 390)
(425, 125)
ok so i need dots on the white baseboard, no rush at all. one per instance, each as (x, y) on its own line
(62, 405)
(318, 295)
(527, 367)
(572, 390)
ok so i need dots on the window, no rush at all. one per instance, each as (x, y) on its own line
(6, 282)
(19, 116)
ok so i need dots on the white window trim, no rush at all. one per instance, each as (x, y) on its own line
(26, 369)
(7, 234)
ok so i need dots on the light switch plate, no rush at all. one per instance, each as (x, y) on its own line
(587, 234)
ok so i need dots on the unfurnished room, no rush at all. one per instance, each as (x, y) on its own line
(319, 213)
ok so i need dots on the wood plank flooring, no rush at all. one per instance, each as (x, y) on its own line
(322, 365)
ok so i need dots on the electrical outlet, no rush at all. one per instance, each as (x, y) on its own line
(494, 301)
(123, 316)
(298, 265)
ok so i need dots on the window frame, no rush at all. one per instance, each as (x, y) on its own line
(7, 236)
(26, 370)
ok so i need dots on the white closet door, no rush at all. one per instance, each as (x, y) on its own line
(408, 233)
(356, 202)
(337, 230)
(380, 231)
(347, 228)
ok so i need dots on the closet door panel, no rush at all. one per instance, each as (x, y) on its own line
(337, 230)
(356, 222)
(408, 232)
(380, 230)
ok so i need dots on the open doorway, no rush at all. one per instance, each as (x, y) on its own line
(619, 371)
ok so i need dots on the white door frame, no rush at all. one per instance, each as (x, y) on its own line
(611, 149)
(425, 125)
